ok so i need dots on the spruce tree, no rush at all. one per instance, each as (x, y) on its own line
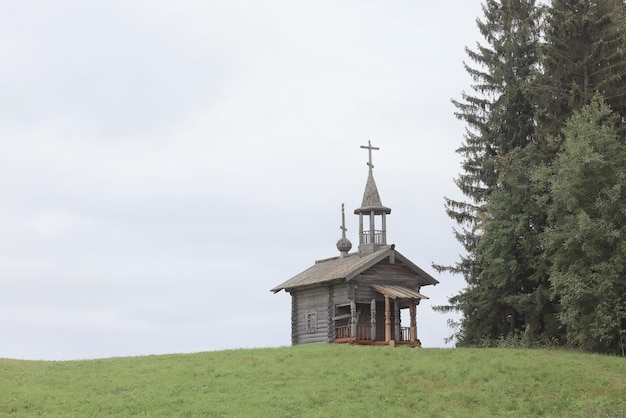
(519, 105)
(500, 119)
(584, 54)
(585, 240)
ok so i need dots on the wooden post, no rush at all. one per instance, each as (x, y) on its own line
(361, 229)
(387, 320)
(384, 228)
(372, 226)
(413, 330)
(396, 314)
(373, 319)
(353, 319)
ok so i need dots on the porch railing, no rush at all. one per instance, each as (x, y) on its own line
(343, 331)
(363, 332)
(405, 334)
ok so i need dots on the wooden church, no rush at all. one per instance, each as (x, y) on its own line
(358, 297)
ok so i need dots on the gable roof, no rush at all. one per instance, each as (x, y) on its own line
(347, 268)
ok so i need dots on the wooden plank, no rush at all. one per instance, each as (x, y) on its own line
(387, 319)
(397, 292)
(353, 319)
(413, 331)
(373, 319)
(396, 320)
(330, 313)
(385, 273)
(294, 319)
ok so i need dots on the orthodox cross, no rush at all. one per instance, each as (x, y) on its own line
(343, 222)
(369, 147)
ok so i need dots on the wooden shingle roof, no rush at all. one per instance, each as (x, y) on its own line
(347, 268)
(371, 199)
(397, 292)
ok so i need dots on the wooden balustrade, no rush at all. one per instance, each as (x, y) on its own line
(363, 332)
(405, 334)
(379, 237)
(343, 331)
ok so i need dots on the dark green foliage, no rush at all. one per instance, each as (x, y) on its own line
(524, 93)
(584, 54)
(500, 118)
(514, 275)
(585, 241)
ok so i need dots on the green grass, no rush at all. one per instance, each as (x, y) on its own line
(321, 380)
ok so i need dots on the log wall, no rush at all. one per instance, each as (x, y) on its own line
(310, 315)
(384, 273)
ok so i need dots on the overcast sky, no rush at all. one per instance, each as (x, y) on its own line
(165, 164)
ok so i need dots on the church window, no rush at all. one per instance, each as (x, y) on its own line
(311, 321)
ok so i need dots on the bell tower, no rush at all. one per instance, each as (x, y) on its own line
(373, 229)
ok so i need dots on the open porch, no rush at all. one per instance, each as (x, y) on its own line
(367, 325)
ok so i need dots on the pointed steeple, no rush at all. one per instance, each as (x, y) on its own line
(371, 197)
(372, 239)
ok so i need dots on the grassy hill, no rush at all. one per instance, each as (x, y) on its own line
(319, 381)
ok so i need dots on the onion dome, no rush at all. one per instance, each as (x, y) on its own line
(343, 245)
